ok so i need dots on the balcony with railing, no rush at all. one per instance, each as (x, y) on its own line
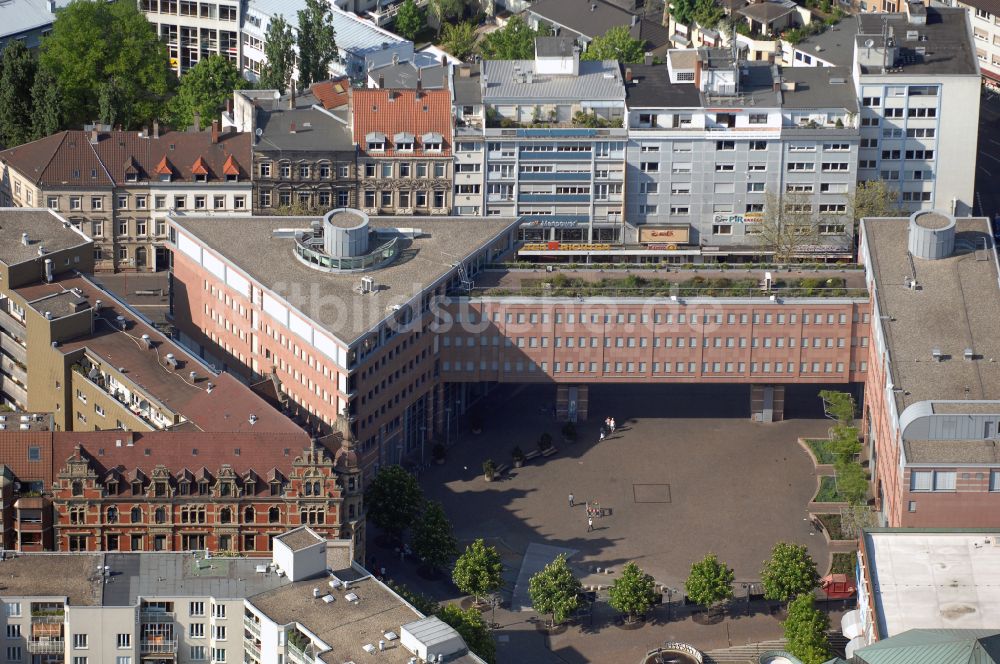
(158, 646)
(147, 616)
(9, 322)
(46, 645)
(556, 177)
(252, 626)
(253, 649)
(13, 348)
(385, 13)
(303, 655)
(554, 198)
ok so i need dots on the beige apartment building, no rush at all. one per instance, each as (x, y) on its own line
(95, 364)
(118, 186)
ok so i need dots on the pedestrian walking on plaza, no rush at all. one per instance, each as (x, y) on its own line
(590, 523)
(572, 502)
(602, 435)
(607, 423)
(612, 425)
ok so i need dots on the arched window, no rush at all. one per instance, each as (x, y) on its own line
(136, 515)
(160, 516)
(307, 488)
(317, 488)
(112, 515)
(225, 515)
(248, 515)
(273, 515)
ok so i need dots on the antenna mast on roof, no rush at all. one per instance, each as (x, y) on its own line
(885, 41)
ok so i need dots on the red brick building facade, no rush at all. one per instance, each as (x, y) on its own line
(174, 491)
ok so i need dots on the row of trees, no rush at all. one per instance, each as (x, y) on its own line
(852, 481)
(104, 62)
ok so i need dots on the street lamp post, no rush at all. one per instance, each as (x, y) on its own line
(747, 586)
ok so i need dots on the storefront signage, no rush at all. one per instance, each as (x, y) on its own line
(664, 234)
(550, 223)
(748, 218)
(561, 246)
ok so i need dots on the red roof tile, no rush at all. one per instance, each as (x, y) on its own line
(199, 167)
(231, 167)
(14, 454)
(196, 452)
(164, 167)
(409, 111)
(70, 158)
(332, 94)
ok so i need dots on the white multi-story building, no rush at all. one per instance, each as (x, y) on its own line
(309, 603)
(985, 18)
(917, 79)
(196, 29)
(711, 138)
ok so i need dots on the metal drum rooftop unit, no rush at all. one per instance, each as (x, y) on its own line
(932, 235)
(343, 242)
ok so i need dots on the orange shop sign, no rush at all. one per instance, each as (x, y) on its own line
(664, 234)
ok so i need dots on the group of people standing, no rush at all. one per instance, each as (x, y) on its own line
(608, 428)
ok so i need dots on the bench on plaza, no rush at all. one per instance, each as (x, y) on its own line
(549, 451)
(501, 469)
(532, 454)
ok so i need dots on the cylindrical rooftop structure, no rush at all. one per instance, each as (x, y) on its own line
(932, 234)
(345, 233)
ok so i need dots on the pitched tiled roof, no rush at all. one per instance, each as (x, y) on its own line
(393, 111)
(70, 158)
(193, 454)
(199, 167)
(14, 454)
(231, 167)
(332, 94)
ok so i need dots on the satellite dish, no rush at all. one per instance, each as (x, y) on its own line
(259, 132)
(869, 43)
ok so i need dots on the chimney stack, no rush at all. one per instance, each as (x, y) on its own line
(444, 60)
(628, 74)
(197, 121)
(381, 81)
(291, 128)
(156, 128)
(215, 131)
(94, 135)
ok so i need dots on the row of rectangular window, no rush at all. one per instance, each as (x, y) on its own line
(664, 342)
(305, 171)
(658, 368)
(946, 480)
(669, 318)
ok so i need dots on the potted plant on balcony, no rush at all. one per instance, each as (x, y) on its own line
(489, 470)
(518, 456)
(438, 453)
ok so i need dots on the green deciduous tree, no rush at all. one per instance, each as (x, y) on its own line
(852, 482)
(682, 11)
(47, 104)
(459, 39)
(478, 571)
(632, 593)
(789, 572)
(93, 43)
(394, 500)
(445, 11)
(279, 51)
(204, 89)
(616, 44)
(708, 14)
(317, 43)
(806, 631)
(473, 630)
(838, 406)
(874, 198)
(113, 103)
(433, 539)
(410, 20)
(555, 590)
(17, 74)
(710, 582)
(514, 41)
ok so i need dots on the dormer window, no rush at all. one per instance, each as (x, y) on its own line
(376, 146)
(77, 488)
(249, 487)
(202, 488)
(184, 488)
(375, 140)
(405, 147)
(131, 177)
(225, 488)
(432, 147)
(160, 489)
(200, 177)
(164, 177)
(137, 488)
(112, 488)
(275, 488)
(232, 178)
(432, 141)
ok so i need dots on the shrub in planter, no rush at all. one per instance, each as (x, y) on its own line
(545, 441)
(489, 470)
(518, 456)
(569, 431)
(437, 453)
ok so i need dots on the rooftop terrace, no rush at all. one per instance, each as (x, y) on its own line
(52, 574)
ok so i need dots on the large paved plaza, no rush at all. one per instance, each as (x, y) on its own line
(686, 473)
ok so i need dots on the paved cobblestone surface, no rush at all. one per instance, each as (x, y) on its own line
(735, 488)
